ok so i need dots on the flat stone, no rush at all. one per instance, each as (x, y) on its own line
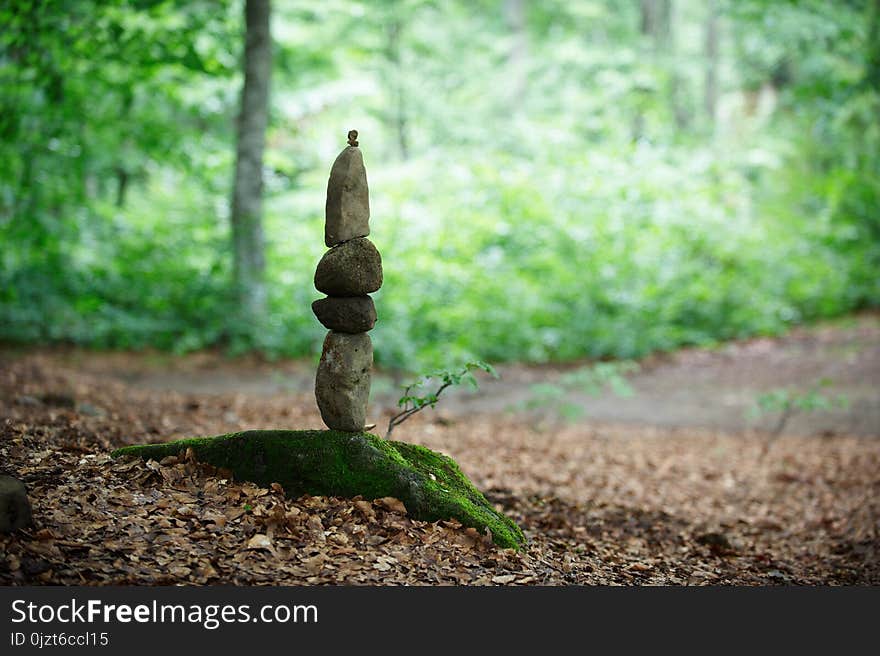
(342, 386)
(353, 268)
(354, 314)
(347, 209)
(15, 509)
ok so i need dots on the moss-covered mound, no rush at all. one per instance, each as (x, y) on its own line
(332, 463)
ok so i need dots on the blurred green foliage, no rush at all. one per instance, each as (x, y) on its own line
(534, 196)
(555, 396)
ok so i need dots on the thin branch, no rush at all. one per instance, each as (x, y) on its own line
(406, 413)
(783, 419)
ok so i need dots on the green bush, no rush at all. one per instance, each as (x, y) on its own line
(542, 227)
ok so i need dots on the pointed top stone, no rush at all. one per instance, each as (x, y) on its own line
(348, 196)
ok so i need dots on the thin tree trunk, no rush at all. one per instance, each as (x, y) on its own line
(247, 196)
(122, 180)
(677, 84)
(710, 89)
(648, 10)
(647, 19)
(872, 63)
(658, 22)
(515, 19)
(868, 156)
(400, 105)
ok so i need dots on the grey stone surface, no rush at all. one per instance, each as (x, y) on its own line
(347, 209)
(342, 386)
(15, 509)
(353, 314)
(353, 268)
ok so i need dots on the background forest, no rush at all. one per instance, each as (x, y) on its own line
(549, 180)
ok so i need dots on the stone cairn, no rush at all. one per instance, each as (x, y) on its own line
(348, 273)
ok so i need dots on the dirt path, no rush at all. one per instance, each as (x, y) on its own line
(717, 389)
(714, 389)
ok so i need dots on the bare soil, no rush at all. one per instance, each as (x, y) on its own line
(671, 486)
(718, 388)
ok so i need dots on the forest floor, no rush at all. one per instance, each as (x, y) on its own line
(674, 485)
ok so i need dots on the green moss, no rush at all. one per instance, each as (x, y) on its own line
(333, 463)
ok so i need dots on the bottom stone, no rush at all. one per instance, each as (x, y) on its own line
(342, 386)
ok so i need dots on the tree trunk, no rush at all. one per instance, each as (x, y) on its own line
(122, 180)
(658, 23)
(647, 28)
(247, 196)
(395, 27)
(654, 16)
(678, 92)
(517, 56)
(710, 89)
(872, 63)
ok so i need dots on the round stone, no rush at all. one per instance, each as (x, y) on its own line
(354, 268)
(354, 314)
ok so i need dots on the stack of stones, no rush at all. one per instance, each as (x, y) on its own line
(347, 273)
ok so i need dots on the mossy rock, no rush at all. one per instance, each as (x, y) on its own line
(333, 463)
